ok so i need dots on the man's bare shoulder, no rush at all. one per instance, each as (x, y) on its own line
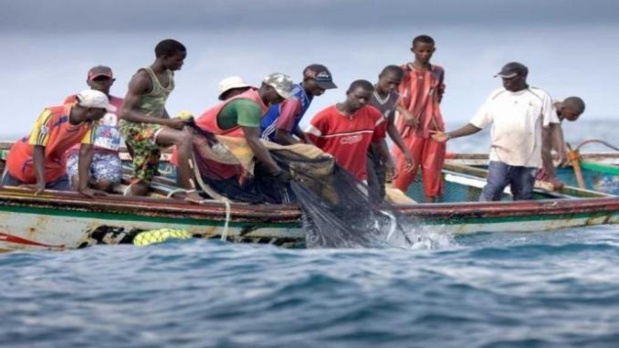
(140, 82)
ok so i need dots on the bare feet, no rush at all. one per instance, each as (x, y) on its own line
(194, 197)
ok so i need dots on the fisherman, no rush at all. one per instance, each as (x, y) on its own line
(38, 161)
(281, 123)
(105, 164)
(569, 109)
(239, 117)
(421, 92)
(146, 125)
(380, 164)
(518, 114)
(231, 87)
(346, 130)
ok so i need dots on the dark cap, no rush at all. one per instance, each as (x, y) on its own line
(99, 70)
(321, 75)
(511, 70)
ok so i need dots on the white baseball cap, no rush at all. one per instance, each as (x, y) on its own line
(91, 98)
(229, 83)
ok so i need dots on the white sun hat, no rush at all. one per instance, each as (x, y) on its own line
(229, 83)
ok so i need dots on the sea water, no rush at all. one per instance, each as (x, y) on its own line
(555, 289)
(535, 289)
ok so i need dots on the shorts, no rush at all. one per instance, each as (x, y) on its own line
(104, 166)
(142, 138)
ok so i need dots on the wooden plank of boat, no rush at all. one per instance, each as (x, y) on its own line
(58, 220)
(475, 159)
(566, 190)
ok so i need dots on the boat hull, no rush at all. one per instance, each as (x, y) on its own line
(59, 221)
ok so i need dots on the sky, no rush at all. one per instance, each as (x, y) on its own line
(570, 47)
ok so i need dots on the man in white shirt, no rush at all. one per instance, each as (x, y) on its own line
(518, 114)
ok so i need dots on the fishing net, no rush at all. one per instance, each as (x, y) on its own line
(337, 212)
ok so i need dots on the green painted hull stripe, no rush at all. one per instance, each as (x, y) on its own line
(600, 167)
(137, 218)
(515, 219)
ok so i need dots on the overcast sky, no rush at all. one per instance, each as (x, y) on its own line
(131, 15)
(570, 46)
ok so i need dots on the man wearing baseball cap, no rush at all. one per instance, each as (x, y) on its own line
(38, 162)
(105, 164)
(519, 115)
(240, 117)
(281, 123)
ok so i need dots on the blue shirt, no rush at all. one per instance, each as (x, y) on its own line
(268, 126)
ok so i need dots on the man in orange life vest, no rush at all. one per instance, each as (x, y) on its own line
(240, 116)
(421, 92)
(38, 161)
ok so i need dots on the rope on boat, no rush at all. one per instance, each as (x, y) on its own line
(598, 141)
(217, 197)
(173, 192)
(224, 234)
(127, 190)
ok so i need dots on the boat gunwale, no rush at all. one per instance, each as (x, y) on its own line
(144, 206)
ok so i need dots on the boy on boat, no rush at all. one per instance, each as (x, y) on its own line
(146, 125)
(38, 161)
(346, 130)
(421, 92)
(379, 163)
(281, 123)
(518, 114)
(105, 164)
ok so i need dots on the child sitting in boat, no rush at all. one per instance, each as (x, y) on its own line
(105, 164)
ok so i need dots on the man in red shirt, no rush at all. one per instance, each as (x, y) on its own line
(346, 130)
(38, 160)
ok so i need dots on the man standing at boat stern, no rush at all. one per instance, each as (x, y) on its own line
(518, 114)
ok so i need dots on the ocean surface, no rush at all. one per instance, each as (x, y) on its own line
(536, 289)
(493, 290)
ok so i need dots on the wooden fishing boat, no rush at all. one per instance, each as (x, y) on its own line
(597, 171)
(62, 220)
